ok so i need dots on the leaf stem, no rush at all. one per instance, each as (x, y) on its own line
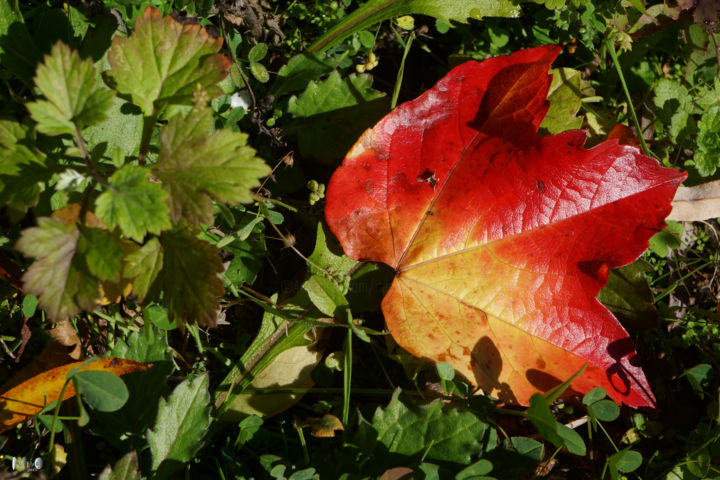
(613, 54)
(347, 371)
(148, 123)
(401, 71)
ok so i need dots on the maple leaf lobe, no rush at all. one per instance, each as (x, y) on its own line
(500, 239)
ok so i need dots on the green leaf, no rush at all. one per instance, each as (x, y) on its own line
(182, 423)
(707, 155)
(143, 266)
(58, 277)
(329, 115)
(295, 75)
(565, 96)
(674, 105)
(445, 371)
(626, 461)
(165, 63)
(189, 281)
(122, 129)
(325, 295)
(594, 395)
(196, 165)
(134, 203)
(126, 427)
(101, 390)
(257, 52)
(22, 168)
(127, 468)
(604, 410)
(249, 251)
(552, 431)
(376, 11)
(699, 376)
(668, 238)
(436, 430)
(260, 72)
(29, 306)
(147, 345)
(627, 295)
(73, 100)
(475, 470)
(517, 457)
(103, 253)
(328, 253)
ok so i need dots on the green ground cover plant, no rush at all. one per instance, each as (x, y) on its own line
(168, 269)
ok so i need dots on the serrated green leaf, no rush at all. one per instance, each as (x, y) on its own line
(73, 99)
(439, 431)
(565, 96)
(196, 165)
(58, 277)
(143, 267)
(674, 105)
(707, 155)
(103, 253)
(127, 468)
(299, 71)
(189, 281)
(22, 168)
(329, 115)
(182, 423)
(103, 391)
(376, 11)
(668, 238)
(128, 425)
(134, 203)
(147, 345)
(166, 63)
(627, 295)
(517, 457)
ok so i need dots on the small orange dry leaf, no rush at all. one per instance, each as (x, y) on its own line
(28, 398)
(323, 427)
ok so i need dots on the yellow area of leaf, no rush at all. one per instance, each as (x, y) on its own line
(27, 399)
(290, 369)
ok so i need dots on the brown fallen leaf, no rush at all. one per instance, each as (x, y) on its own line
(322, 427)
(694, 204)
(27, 399)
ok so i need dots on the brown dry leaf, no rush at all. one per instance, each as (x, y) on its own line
(694, 204)
(70, 214)
(397, 473)
(65, 335)
(323, 427)
(28, 398)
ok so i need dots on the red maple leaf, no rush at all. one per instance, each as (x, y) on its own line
(500, 239)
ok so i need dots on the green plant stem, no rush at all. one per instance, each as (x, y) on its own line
(56, 414)
(347, 372)
(148, 124)
(613, 55)
(401, 71)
